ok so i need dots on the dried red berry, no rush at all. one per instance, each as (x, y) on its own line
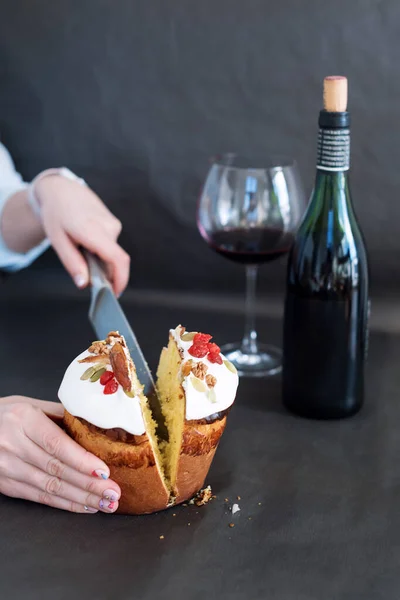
(215, 357)
(201, 338)
(213, 348)
(110, 387)
(199, 351)
(105, 378)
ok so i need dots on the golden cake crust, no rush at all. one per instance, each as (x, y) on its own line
(199, 444)
(132, 466)
(201, 438)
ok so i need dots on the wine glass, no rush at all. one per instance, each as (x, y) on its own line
(249, 211)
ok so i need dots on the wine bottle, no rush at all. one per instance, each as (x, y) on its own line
(327, 303)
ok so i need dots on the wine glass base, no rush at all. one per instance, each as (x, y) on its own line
(267, 361)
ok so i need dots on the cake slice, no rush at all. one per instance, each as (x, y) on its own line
(196, 387)
(107, 413)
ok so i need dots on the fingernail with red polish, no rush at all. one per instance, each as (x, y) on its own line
(100, 473)
(107, 505)
(110, 495)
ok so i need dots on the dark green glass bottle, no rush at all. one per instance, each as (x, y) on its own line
(327, 304)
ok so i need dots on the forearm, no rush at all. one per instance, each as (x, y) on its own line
(20, 228)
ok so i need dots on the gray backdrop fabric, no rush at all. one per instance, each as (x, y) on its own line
(136, 95)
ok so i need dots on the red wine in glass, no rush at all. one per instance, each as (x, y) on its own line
(249, 211)
(251, 246)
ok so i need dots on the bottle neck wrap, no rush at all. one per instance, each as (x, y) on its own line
(333, 152)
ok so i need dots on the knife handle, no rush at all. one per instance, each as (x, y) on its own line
(98, 277)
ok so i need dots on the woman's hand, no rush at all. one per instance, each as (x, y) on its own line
(72, 216)
(39, 462)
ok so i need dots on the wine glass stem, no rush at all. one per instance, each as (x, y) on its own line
(249, 342)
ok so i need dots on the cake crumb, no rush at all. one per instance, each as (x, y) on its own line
(184, 504)
(161, 537)
(174, 514)
(188, 524)
(249, 518)
(235, 508)
(202, 497)
(238, 498)
(231, 524)
(226, 499)
(259, 504)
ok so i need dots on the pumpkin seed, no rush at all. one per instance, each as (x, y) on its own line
(230, 366)
(198, 385)
(88, 373)
(212, 396)
(188, 337)
(97, 374)
(129, 394)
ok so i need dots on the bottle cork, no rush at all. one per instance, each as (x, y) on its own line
(335, 93)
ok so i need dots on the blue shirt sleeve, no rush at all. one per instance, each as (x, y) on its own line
(10, 183)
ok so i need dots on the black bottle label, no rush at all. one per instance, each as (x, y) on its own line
(333, 152)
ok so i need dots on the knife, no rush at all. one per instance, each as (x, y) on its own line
(106, 314)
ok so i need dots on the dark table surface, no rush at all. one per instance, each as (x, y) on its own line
(320, 501)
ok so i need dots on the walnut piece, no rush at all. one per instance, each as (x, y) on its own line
(98, 347)
(211, 381)
(114, 334)
(199, 370)
(114, 337)
(187, 368)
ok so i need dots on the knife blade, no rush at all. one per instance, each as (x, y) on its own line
(106, 314)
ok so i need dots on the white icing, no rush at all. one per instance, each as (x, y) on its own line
(200, 404)
(85, 399)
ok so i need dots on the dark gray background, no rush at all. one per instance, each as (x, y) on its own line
(136, 95)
